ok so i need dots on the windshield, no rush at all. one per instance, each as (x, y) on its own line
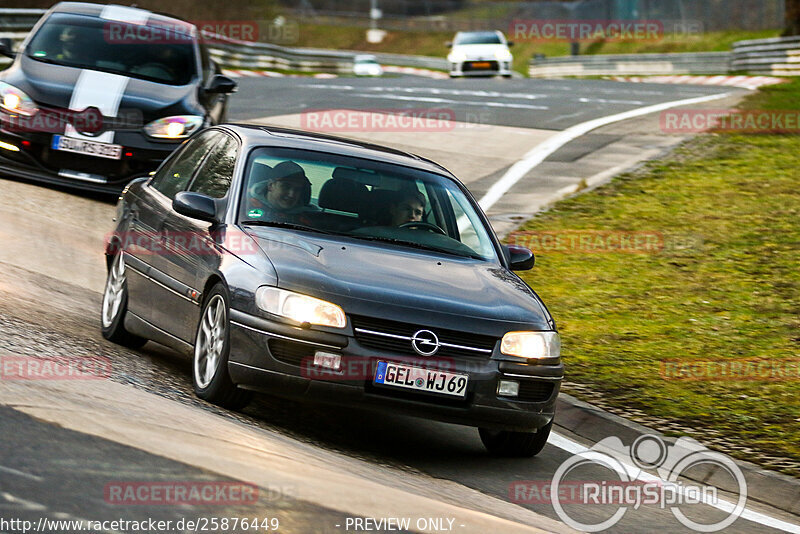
(157, 51)
(362, 199)
(478, 38)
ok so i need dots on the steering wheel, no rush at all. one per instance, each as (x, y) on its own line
(423, 225)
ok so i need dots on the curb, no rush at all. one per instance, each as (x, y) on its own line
(766, 487)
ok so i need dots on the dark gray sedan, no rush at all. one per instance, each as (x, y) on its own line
(327, 270)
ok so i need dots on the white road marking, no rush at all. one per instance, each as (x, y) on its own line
(27, 505)
(540, 152)
(573, 447)
(20, 473)
(436, 100)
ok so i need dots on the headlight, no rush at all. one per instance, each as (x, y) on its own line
(456, 57)
(502, 54)
(177, 127)
(300, 308)
(14, 100)
(536, 345)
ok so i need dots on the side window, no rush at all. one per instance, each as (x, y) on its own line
(173, 177)
(214, 177)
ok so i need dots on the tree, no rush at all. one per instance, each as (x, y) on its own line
(792, 17)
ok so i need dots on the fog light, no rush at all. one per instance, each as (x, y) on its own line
(508, 388)
(9, 146)
(328, 360)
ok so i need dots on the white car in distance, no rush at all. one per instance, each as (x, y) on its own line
(367, 65)
(483, 53)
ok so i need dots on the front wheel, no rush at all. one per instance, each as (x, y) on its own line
(515, 444)
(210, 376)
(115, 306)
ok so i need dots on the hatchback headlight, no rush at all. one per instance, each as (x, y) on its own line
(14, 100)
(175, 127)
(300, 308)
(456, 56)
(502, 54)
(532, 345)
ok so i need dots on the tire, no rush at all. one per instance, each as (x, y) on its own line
(115, 306)
(212, 345)
(515, 444)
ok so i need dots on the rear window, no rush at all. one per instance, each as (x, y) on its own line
(159, 51)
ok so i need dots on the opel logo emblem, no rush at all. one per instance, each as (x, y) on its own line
(425, 343)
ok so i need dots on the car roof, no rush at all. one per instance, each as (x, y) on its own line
(254, 135)
(96, 10)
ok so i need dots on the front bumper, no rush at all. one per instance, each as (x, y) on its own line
(278, 359)
(476, 68)
(35, 159)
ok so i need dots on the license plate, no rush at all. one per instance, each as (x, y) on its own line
(481, 65)
(419, 379)
(89, 148)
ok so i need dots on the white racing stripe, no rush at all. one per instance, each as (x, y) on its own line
(102, 90)
(540, 152)
(436, 100)
(573, 447)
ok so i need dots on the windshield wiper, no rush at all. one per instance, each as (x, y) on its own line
(293, 226)
(416, 245)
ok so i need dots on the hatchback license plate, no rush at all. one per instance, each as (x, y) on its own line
(419, 379)
(89, 148)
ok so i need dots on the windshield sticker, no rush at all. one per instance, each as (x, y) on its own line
(255, 213)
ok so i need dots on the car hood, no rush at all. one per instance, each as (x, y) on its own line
(358, 275)
(54, 86)
(480, 51)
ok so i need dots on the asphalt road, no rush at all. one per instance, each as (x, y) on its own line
(523, 103)
(49, 300)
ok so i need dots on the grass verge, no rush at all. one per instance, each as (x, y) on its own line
(433, 43)
(725, 287)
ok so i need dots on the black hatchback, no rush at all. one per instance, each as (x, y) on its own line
(333, 271)
(97, 95)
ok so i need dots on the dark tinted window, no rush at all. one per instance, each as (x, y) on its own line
(478, 38)
(160, 51)
(214, 177)
(175, 174)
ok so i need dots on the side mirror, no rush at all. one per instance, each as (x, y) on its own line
(449, 44)
(221, 84)
(196, 206)
(7, 47)
(510, 44)
(519, 258)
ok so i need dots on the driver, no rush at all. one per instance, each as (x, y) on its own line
(408, 207)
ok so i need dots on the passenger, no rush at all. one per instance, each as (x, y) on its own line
(287, 191)
(408, 207)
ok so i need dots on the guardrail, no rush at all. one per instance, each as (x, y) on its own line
(775, 57)
(631, 64)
